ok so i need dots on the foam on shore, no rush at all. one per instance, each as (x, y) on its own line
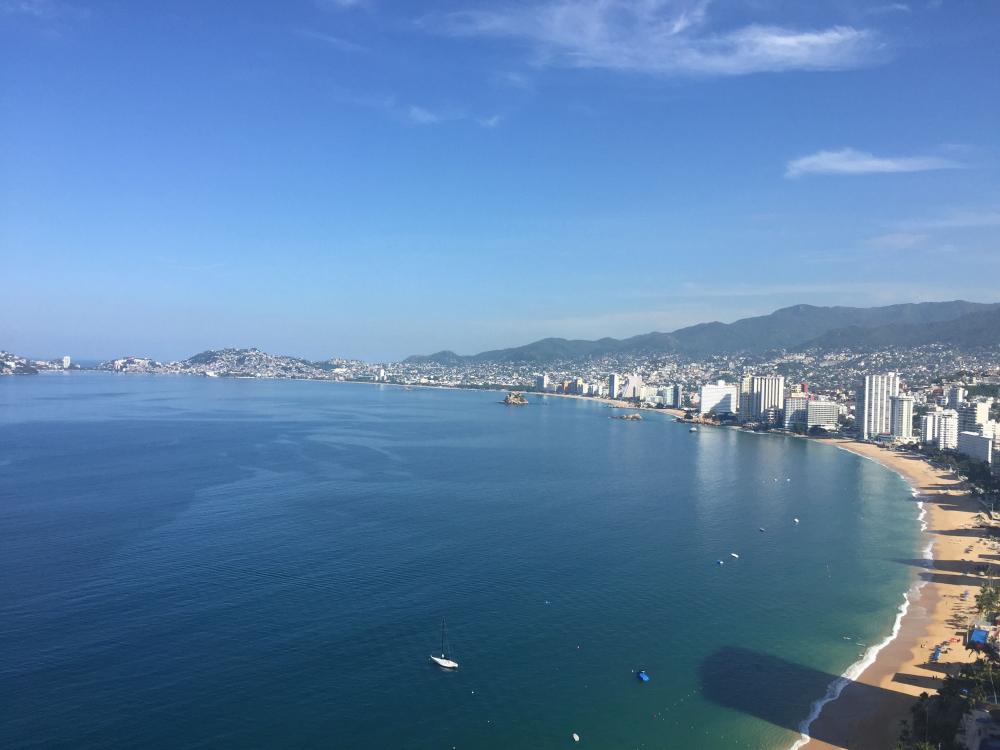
(849, 675)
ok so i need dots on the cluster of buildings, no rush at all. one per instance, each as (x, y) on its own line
(629, 387)
(764, 400)
(902, 403)
(947, 420)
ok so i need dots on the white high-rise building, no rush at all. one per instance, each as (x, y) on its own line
(796, 411)
(873, 413)
(973, 415)
(614, 385)
(541, 382)
(940, 428)
(66, 362)
(719, 398)
(901, 408)
(632, 388)
(767, 394)
(746, 410)
(824, 414)
(955, 395)
(975, 446)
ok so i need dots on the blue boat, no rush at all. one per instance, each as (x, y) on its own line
(643, 677)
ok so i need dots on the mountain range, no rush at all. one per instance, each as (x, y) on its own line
(966, 325)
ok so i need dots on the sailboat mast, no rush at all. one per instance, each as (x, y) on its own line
(442, 637)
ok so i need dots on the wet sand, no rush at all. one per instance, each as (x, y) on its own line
(869, 711)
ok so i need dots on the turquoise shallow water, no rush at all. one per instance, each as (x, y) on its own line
(197, 563)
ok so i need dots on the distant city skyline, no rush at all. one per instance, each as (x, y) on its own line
(362, 179)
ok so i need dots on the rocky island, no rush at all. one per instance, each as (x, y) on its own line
(515, 399)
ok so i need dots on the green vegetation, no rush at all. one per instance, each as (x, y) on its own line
(936, 719)
(988, 600)
(977, 472)
(982, 390)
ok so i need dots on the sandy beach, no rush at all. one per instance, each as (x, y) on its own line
(869, 710)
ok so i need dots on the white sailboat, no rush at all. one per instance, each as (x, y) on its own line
(443, 661)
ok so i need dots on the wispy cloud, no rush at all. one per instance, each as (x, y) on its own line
(343, 4)
(513, 80)
(489, 122)
(665, 37)
(35, 8)
(888, 8)
(852, 162)
(338, 43)
(897, 241)
(956, 219)
(43, 10)
(423, 116)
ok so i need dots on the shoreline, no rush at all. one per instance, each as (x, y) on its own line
(896, 670)
(863, 709)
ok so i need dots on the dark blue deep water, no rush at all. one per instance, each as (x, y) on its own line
(199, 563)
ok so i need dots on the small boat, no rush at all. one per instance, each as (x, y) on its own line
(693, 429)
(643, 677)
(761, 529)
(734, 555)
(796, 520)
(721, 562)
(443, 661)
(576, 737)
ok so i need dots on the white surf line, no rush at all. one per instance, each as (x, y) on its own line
(851, 674)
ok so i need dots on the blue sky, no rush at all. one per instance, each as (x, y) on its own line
(375, 179)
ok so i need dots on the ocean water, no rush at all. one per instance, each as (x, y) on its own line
(201, 563)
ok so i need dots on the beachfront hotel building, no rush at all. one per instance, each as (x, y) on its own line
(873, 413)
(796, 411)
(940, 427)
(719, 398)
(975, 446)
(614, 385)
(767, 396)
(973, 415)
(633, 387)
(901, 408)
(823, 414)
(955, 396)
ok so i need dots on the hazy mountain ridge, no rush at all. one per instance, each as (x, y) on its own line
(796, 328)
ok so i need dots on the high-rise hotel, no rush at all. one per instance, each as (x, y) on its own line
(873, 401)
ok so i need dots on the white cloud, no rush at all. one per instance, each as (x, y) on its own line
(423, 116)
(897, 241)
(489, 122)
(43, 10)
(36, 8)
(957, 219)
(852, 161)
(889, 8)
(513, 80)
(343, 4)
(344, 45)
(665, 37)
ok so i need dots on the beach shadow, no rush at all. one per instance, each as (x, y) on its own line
(951, 572)
(917, 680)
(976, 532)
(949, 566)
(781, 692)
